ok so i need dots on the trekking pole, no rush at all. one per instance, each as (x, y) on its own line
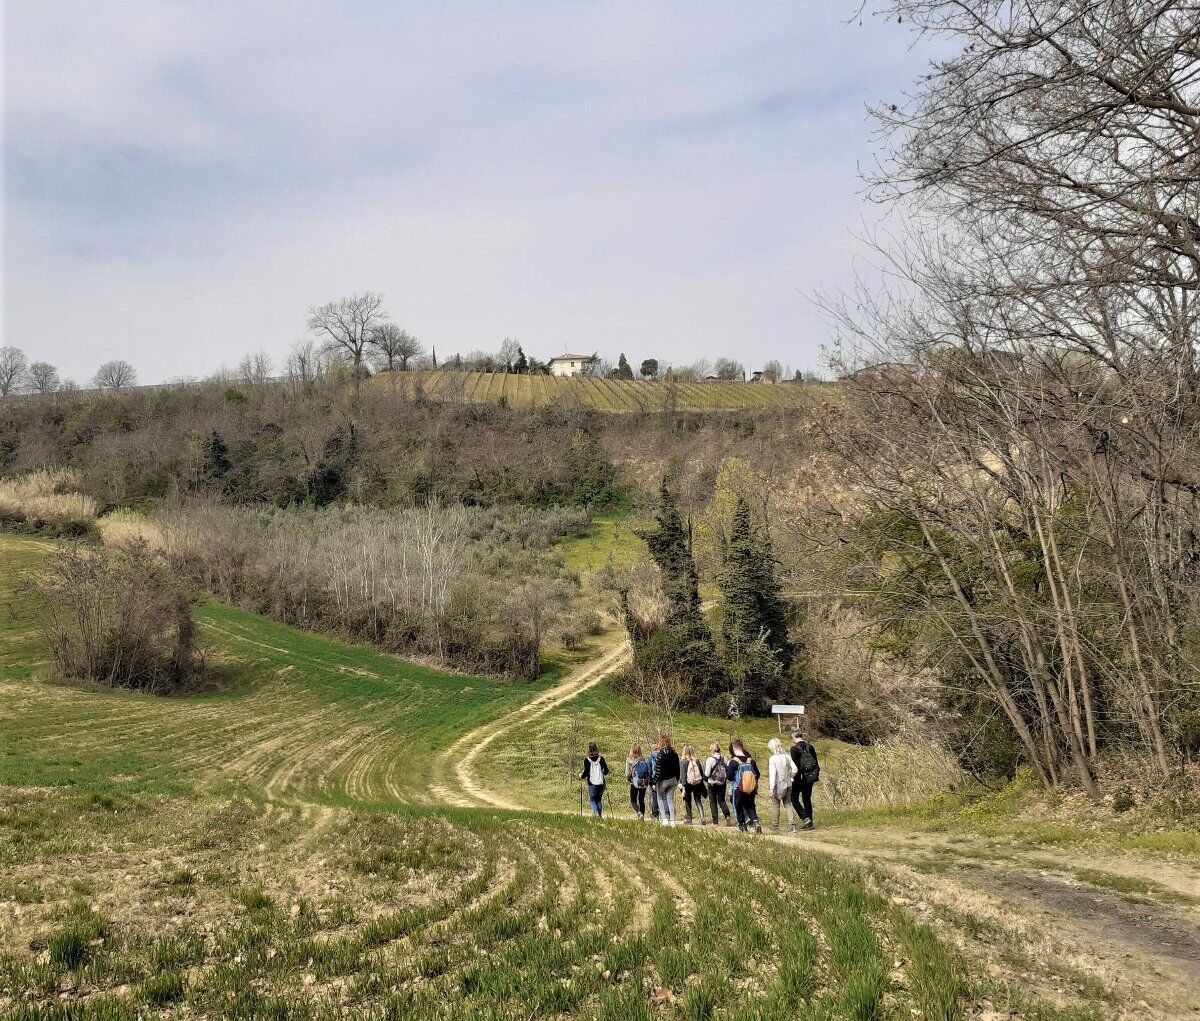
(581, 798)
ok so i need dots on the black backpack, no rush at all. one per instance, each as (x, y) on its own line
(810, 770)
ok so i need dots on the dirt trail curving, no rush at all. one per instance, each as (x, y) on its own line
(1047, 922)
(461, 756)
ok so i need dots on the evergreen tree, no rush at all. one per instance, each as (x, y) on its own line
(214, 462)
(521, 365)
(754, 630)
(683, 646)
(623, 370)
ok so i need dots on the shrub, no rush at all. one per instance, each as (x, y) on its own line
(119, 618)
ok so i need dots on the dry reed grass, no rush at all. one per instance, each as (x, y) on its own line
(896, 772)
(124, 529)
(47, 495)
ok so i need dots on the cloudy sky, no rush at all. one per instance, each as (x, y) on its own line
(183, 180)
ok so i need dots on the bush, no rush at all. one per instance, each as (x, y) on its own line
(120, 619)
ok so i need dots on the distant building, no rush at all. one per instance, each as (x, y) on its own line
(762, 376)
(570, 365)
(882, 370)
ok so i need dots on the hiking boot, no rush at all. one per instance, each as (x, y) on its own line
(808, 824)
(758, 828)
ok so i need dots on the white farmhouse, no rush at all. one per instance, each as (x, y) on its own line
(570, 365)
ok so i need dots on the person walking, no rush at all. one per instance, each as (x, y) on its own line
(744, 774)
(780, 772)
(595, 769)
(716, 776)
(808, 772)
(692, 780)
(653, 788)
(666, 779)
(637, 775)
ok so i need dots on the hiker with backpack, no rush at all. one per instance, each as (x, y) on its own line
(637, 775)
(744, 774)
(692, 781)
(781, 771)
(595, 769)
(716, 776)
(666, 779)
(808, 772)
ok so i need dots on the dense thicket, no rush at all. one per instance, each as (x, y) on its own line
(470, 587)
(313, 444)
(1026, 463)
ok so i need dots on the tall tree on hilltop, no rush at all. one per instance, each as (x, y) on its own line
(347, 326)
(754, 632)
(623, 370)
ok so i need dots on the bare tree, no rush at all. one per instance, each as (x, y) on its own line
(12, 370)
(42, 378)
(729, 369)
(510, 351)
(347, 325)
(115, 375)
(393, 345)
(1034, 468)
(255, 368)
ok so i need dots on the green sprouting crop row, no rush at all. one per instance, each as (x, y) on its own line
(243, 910)
(613, 395)
(274, 850)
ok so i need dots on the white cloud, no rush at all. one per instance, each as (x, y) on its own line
(660, 179)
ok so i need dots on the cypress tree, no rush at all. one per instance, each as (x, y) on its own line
(624, 370)
(214, 464)
(754, 634)
(683, 646)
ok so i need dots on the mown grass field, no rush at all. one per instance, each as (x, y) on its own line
(274, 851)
(613, 395)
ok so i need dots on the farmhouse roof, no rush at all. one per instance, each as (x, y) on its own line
(571, 358)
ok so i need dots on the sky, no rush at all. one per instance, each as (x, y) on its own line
(183, 180)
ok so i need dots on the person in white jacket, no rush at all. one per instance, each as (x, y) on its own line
(781, 773)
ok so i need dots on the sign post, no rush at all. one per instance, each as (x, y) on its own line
(792, 715)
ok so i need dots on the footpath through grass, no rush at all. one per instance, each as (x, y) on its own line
(262, 852)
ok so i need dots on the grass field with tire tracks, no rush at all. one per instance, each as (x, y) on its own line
(271, 851)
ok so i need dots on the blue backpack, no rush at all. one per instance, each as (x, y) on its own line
(641, 773)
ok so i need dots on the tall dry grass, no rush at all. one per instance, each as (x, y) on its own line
(895, 772)
(45, 496)
(125, 530)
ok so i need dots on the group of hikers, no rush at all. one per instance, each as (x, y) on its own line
(715, 780)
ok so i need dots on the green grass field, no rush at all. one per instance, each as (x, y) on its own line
(621, 396)
(275, 850)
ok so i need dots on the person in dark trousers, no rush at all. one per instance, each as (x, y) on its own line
(808, 772)
(743, 772)
(716, 775)
(595, 769)
(691, 779)
(637, 775)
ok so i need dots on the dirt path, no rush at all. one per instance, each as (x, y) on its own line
(462, 756)
(1027, 916)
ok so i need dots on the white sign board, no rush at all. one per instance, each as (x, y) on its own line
(788, 710)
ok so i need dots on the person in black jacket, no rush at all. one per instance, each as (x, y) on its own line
(808, 772)
(595, 769)
(666, 779)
